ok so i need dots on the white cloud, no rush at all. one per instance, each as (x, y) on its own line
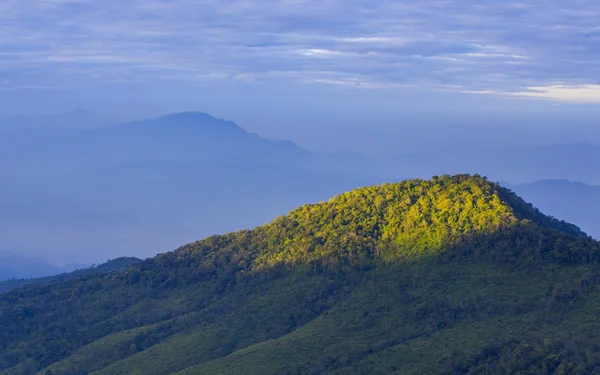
(319, 52)
(578, 94)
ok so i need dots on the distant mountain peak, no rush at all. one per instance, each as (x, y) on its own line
(195, 120)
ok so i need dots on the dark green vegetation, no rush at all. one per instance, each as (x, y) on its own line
(112, 265)
(451, 276)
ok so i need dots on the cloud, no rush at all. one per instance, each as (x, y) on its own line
(578, 94)
(492, 46)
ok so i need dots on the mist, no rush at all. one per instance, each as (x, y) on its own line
(284, 104)
(81, 187)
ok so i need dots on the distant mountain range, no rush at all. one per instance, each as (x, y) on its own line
(97, 189)
(188, 137)
(139, 188)
(183, 137)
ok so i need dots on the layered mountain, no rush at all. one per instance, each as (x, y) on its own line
(181, 137)
(143, 187)
(456, 275)
(189, 137)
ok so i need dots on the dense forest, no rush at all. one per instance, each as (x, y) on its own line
(455, 275)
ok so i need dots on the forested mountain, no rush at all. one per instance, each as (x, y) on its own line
(112, 265)
(456, 275)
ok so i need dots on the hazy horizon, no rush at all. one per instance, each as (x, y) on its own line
(89, 204)
(373, 91)
(403, 133)
(358, 76)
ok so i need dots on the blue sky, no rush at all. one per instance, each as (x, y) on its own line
(240, 58)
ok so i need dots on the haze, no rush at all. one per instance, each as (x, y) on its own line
(367, 92)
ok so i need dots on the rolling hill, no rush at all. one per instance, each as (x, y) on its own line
(456, 275)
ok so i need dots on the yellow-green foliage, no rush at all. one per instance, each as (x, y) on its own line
(387, 222)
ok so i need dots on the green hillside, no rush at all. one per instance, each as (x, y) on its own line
(450, 276)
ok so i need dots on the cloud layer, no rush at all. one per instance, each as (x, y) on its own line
(546, 49)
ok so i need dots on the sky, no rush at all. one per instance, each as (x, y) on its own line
(287, 69)
(386, 78)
